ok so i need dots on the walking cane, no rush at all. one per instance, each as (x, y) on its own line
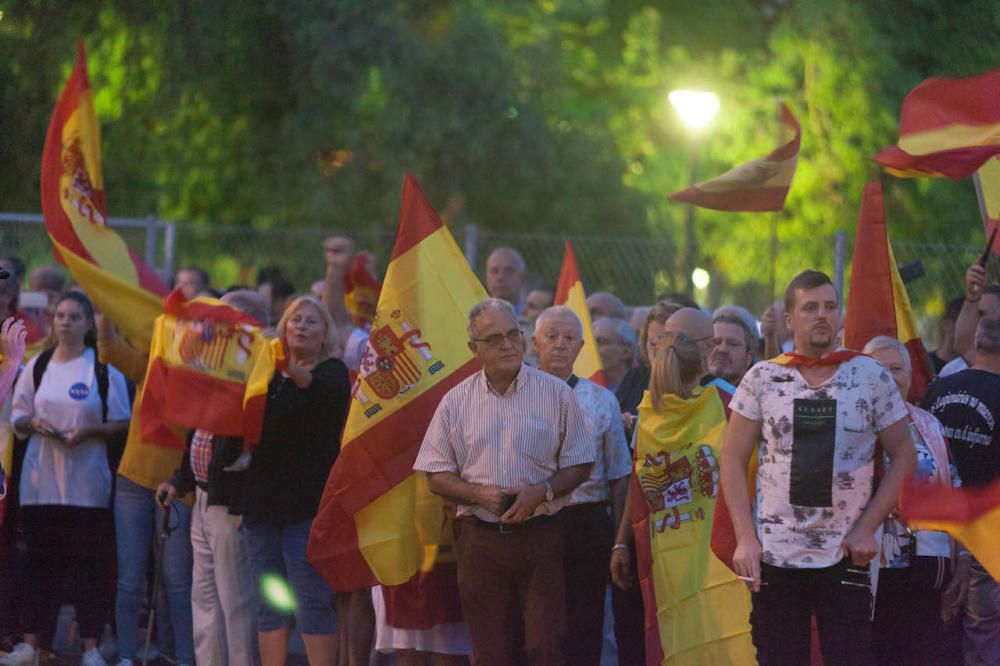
(157, 575)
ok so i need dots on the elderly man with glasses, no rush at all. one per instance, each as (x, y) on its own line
(507, 446)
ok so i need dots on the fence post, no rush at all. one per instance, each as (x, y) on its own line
(169, 238)
(839, 261)
(151, 233)
(471, 244)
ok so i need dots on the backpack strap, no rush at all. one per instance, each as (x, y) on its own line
(103, 383)
(40, 365)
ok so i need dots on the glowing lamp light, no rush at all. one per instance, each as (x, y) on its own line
(700, 278)
(695, 108)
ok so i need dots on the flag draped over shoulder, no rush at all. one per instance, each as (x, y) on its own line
(209, 367)
(947, 127)
(115, 278)
(988, 186)
(697, 610)
(970, 514)
(569, 292)
(377, 521)
(758, 185)
(878, 303)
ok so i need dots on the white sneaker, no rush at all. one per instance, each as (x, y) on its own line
(23, 655)
(92, 657)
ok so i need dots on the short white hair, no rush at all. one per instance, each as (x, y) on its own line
(880, 342)
(558, 312)
(482, 307)
(518, 259)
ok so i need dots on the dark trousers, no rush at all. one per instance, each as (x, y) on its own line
(630, 620)
(65, 560)
(840, 596)
(589, 539)
(511, 587)
(907, 629)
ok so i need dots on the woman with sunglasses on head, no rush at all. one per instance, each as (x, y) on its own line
(69, 414)
(306, 407)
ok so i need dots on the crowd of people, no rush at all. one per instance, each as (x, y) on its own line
(540, 467)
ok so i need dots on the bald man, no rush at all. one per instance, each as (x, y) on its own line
(697, 324)
(505, 269)
(602, 304)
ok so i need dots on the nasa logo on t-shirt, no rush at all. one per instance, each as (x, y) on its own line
(79, 391)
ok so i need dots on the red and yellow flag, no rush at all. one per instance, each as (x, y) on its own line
(758, 185)
(569, 292)
(378, 522)
(209, 367)
(878, 303)
(697, 610)
(970, 514)
(947, 127)
(117, 280)
(988, 188)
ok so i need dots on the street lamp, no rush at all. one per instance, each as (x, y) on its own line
(696, 109)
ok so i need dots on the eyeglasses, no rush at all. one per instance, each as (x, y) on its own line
(513, 336)
(610, 341)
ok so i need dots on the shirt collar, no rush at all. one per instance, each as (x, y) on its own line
(514, 387)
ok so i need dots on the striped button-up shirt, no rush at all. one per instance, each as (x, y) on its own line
(521, 437)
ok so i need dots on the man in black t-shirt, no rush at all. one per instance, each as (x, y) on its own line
(968, 406)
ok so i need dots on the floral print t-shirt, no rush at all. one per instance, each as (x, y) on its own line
(815, 462)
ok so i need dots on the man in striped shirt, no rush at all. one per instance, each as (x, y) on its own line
(507, 446)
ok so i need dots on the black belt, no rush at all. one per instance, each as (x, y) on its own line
(508, 528)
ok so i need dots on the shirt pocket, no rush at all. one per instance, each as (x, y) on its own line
(540, 443)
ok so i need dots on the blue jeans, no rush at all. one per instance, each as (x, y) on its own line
(982, 619)
(136, 517)
(280, 550)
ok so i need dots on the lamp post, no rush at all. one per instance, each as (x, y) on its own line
(696, 109)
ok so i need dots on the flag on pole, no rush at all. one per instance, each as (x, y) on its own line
(378, 521)
(878, 303)
(115, 278)
(758, 185)
(970, 514)
(697, 611)
(569, 292)
(209, 367)
(947, 127)
(987, 181)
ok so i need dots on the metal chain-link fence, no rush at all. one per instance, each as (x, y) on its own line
(636, 269)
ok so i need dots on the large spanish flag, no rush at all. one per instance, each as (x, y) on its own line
(378, 522)
(697, 610)
(878, 303)
(209, 367)
(117, 280)
(569, 292)
(758, 185)
(970, 514)
(947, 127)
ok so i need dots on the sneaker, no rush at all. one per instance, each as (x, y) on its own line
(23, 655)
(92, 657)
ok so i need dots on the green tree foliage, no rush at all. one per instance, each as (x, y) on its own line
(547, 115)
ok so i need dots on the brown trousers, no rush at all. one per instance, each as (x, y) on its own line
(511, 587)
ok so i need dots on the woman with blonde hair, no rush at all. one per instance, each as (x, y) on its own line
(669, 512)
(300, 440)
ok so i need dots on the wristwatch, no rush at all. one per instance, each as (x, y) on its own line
(549, 495)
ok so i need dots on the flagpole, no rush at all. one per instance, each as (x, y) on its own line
(774, 216)
(985, 215)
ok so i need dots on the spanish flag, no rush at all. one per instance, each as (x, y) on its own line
(697, 610)
(117, 280)
(378, 521)
(970, 514)
(947, 127)
(569, 292)
(209, 368)
(987, 181)
(878, 303)
(758, 185)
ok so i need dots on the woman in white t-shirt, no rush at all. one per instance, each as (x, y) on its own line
(76, 407)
